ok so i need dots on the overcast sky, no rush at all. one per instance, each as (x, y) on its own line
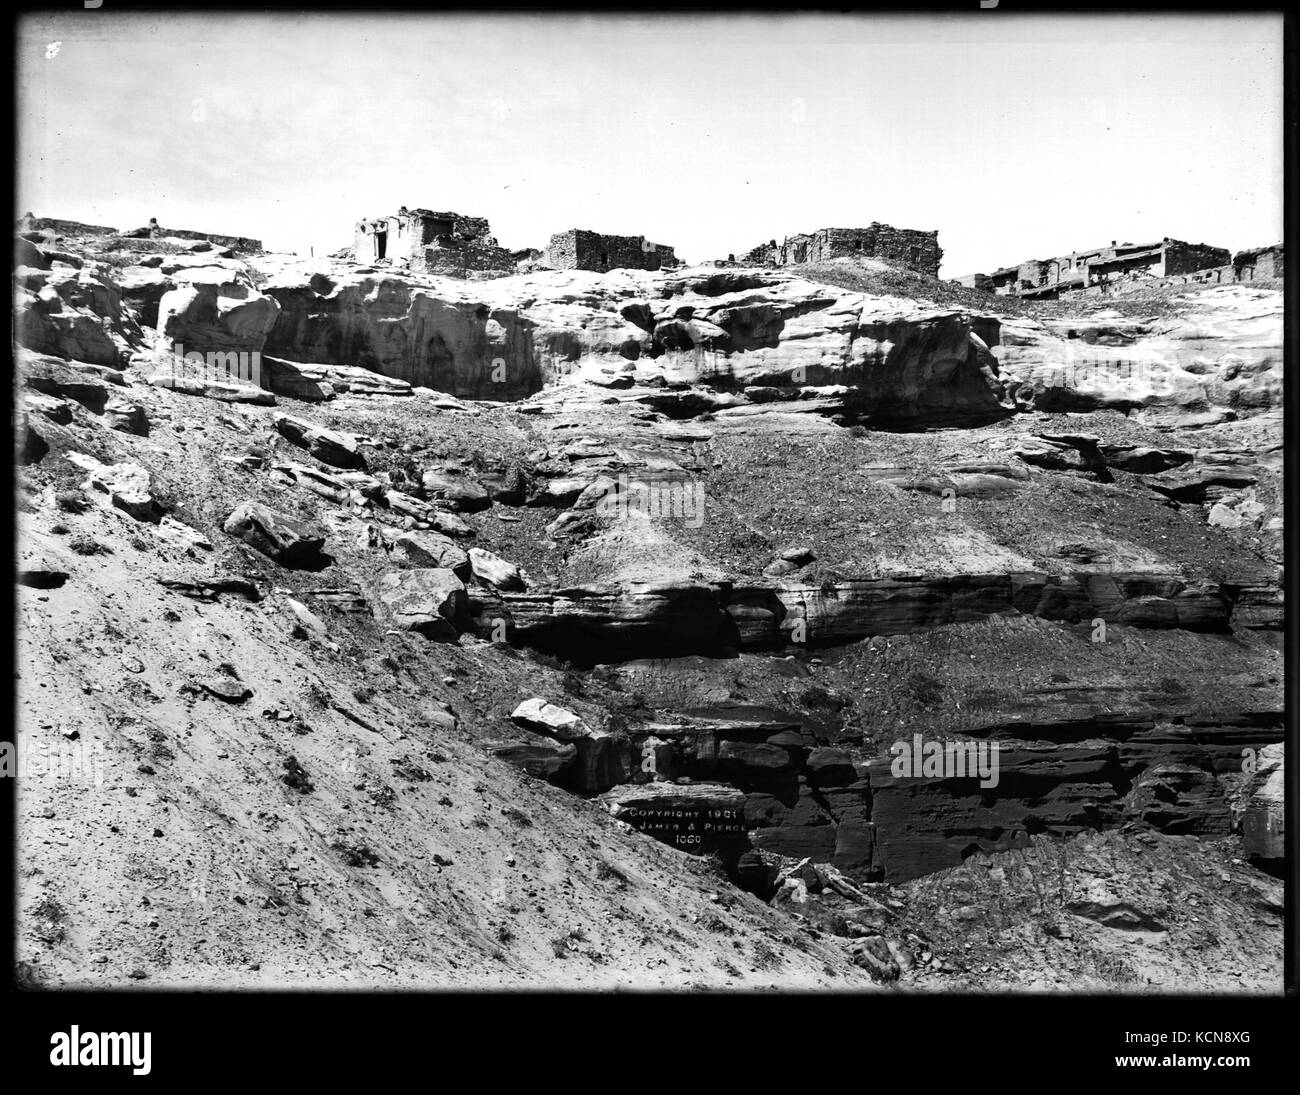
(1013, 136)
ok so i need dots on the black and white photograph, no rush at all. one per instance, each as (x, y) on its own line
(667, 502)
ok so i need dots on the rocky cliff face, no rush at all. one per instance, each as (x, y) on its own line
(1216, 349)
(662, 563)
(719, 331)
(73, 311)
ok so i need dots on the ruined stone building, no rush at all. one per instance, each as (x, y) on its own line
(1258, 262)
(581, 249)
(235, 243)
(426, 242)
(54, 227)
(909, 248)
(1099, 268)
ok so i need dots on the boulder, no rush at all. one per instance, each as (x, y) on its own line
(226, 689)
(182, 535)
(289, 378)
(873, 954)
(1237, 510)
(126, 417)
(1203, 482)
(285, 540)
(1142, 460)
(457, 489)
(430, 600)
(223, 314)
(546, 718)
(328, 446)
(603, 758)
(345, 488)
(128, 485)
(495, 571)
(432, 549)
(306, 624)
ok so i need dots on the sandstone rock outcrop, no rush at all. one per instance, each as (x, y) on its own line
(1170, 774)
(444, 338)
(600, 756)
(1260, 808)
(90, 385)
(1217, 348)
(665, 620)
(506, 339)
(218, 315)
(74, 313)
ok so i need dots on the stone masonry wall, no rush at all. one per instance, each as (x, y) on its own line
(1187, 258)
(236, 243)
(903, 247)
(464, 261)
(580, 249)
(64, 227)
(1263, 262)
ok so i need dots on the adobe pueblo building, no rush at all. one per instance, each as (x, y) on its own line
(425, 242)
(581, 249)
(1258, 263)
(904, 247)
(1101, 268)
